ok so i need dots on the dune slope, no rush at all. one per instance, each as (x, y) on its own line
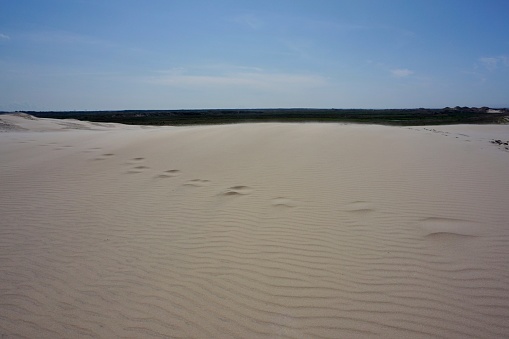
(252, 230)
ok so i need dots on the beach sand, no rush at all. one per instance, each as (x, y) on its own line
(252, 231)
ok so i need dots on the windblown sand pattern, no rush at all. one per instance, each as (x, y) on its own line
(252, 231)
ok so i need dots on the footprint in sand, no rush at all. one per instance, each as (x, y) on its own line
(359, 207)
(169, 174)
(197, 183)
(138, 169)
(449, 228)
(104, 156)
(282, 202)
(135, 161)
(237, 190)
(93, 149)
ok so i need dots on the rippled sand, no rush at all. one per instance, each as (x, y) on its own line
(252, 231)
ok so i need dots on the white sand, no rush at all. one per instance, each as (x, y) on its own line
(253, 230)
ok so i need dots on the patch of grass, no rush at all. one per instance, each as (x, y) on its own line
(398, 117)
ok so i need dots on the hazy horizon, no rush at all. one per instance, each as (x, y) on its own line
(255, 108)
(128, 55)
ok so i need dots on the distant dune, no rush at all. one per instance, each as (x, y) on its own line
(266, 230)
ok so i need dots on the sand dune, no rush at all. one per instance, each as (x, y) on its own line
(252, 231)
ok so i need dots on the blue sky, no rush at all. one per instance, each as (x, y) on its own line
(169, 54)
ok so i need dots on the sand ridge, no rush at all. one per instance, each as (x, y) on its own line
(253, 231)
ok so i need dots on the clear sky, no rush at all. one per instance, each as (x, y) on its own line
(172, 54)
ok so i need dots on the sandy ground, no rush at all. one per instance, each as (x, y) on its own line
(252, 231)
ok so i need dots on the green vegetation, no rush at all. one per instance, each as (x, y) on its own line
(400, 117)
